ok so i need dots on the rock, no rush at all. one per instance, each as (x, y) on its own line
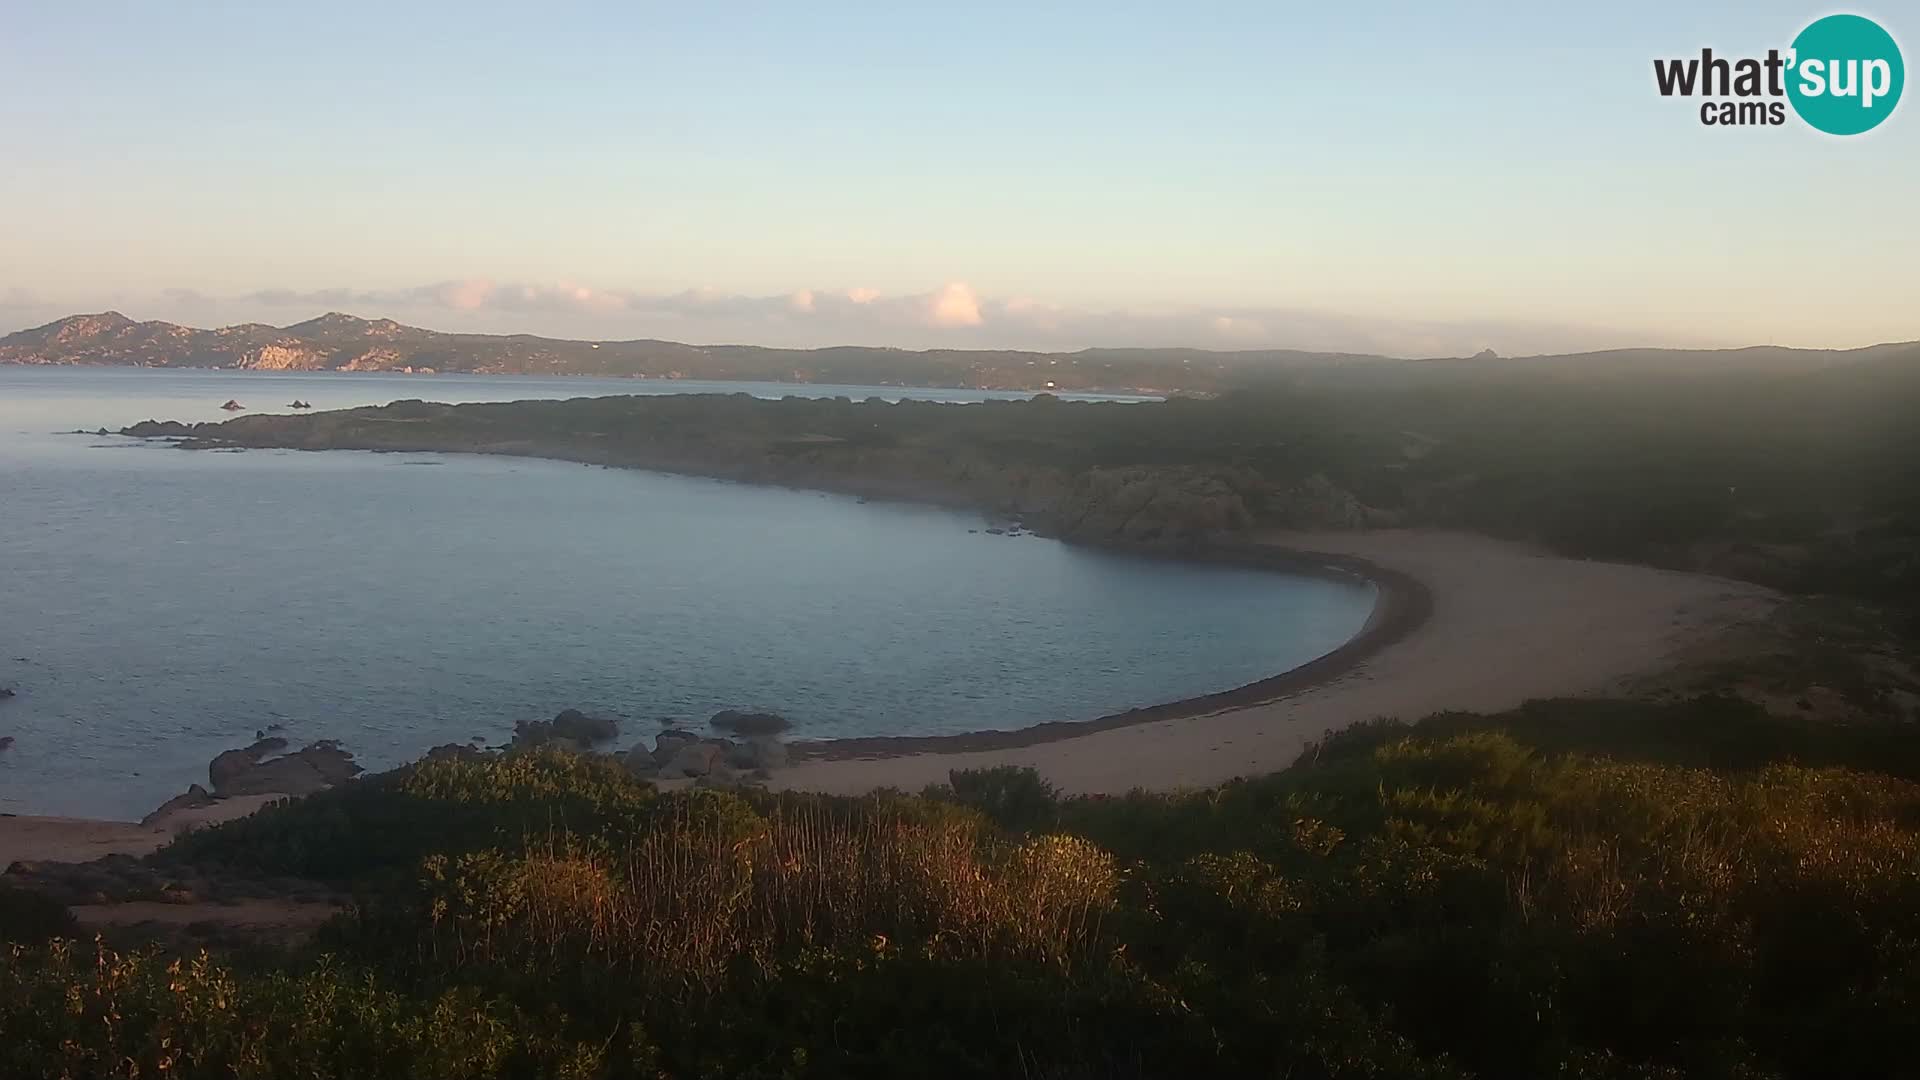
(749, 723)
(6, 742)
(669, 743)
(694, 759)
(195, 798)
(5, 692)
(581, 728)
(153, 429)
(232, 406)
(527, 733)
(720, 776)
(452, 751)
(249, 772)
(640, 762)
(760, 753)
(229, 766)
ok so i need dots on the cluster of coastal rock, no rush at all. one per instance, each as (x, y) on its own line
(749, 750)
(744, 754)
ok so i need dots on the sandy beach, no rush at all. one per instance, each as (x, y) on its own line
(1508, 623)
(1499, 623)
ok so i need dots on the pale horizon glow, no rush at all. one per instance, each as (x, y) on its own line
(1413, 182)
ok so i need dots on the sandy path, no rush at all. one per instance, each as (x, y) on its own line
(56, 839)
(1509, 623)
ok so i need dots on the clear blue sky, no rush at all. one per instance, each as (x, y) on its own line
(1391, 176)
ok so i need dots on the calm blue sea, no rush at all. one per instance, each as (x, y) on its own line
(158, 606)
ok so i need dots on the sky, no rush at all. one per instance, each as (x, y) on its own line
(1412, 179)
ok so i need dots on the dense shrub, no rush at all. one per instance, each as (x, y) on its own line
(1567, 890)
(75, 1011)
(1012, 797)
(27, 918)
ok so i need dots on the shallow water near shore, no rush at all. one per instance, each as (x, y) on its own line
(161, 606)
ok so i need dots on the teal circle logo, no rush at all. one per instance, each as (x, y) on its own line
(1845, 75)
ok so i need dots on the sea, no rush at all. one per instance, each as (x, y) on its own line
(159, 606)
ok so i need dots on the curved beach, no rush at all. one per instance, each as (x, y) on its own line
(1462, 622)
(1466, 622)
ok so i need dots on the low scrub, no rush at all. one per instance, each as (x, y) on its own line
(1568, 890)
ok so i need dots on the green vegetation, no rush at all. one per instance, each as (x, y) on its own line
(1574, 889)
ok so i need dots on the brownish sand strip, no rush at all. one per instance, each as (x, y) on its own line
(57, 839)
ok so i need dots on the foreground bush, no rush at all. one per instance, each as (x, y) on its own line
(76, 1011)
(1543, 893)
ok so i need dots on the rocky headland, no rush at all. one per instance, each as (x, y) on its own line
(1025, 461)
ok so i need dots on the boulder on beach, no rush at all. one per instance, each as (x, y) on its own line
(669, 743)
(758, 753)
(196, 797)
(695, 759)
(749, 723)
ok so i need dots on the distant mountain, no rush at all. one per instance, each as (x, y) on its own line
(338, 342)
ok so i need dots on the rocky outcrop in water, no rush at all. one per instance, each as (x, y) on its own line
(749, 723)
(570, 729)
(261, 769)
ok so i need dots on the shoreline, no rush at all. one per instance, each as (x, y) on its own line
(1463, 622)
(1402, 604)
(1504, 623)
(1408, 597)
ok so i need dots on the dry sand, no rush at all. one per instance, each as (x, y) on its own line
(57, 839)
(1508, 623)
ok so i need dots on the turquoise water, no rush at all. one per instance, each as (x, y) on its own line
(159, 606)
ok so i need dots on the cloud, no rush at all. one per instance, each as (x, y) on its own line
(1239, 328)
(954, 305)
